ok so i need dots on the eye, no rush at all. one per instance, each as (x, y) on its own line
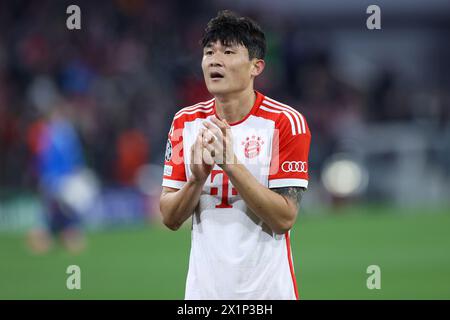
(228, 52)
(208, 52)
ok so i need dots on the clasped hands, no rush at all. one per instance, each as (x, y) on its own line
(213, 145)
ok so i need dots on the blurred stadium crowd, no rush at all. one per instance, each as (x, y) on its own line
(381, 99)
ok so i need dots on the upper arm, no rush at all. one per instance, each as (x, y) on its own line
(292, 194)
(174, 174)
(290, 151)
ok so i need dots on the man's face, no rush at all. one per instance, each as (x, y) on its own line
(226, 69)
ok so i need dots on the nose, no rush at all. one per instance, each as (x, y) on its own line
(215, 63)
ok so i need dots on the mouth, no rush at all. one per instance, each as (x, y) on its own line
(216, 75)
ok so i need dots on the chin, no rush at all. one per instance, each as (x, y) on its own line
(216, 90)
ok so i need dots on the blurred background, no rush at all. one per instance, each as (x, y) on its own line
(84, 117)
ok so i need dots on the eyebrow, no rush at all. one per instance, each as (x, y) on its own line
(230, 45)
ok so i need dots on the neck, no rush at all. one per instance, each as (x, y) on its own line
(234, 107)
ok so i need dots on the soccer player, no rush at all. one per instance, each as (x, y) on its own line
(59, 158)
(238, 165)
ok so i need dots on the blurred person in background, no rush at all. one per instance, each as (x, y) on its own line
(60, 163)
(132, 153)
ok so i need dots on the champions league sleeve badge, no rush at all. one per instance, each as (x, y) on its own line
(168, 155)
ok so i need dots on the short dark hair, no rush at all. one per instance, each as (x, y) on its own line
(229, 29)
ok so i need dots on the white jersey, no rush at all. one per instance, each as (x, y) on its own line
(234, 255)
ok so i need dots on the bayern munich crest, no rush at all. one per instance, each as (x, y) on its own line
(252, 146)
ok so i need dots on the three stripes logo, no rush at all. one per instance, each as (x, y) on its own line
(298, 124)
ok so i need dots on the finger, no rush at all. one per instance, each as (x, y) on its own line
(207, 155)
(201, 132)
(208, 147)
(215, 143)
(203, 137)
(195, 150)
(198, 150)
(192, 152)
(208, 159)
(216, 131)
(211, 150)
(204, 155)
(208, 137)
(220, 124)
(216, 152)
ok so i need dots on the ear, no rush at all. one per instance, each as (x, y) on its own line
(257, 67)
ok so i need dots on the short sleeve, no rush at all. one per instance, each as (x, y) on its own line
(174, 175)
(290, 150)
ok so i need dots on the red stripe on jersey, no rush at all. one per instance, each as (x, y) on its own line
(291, 266)
(194, 114)
(298, 116)
(286, 113)
(206, 106)
(195, 106)
(268, 113)
(291, 115)
(193, 110)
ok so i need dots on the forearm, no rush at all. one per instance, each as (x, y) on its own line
(275, 210)
(177, 207)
